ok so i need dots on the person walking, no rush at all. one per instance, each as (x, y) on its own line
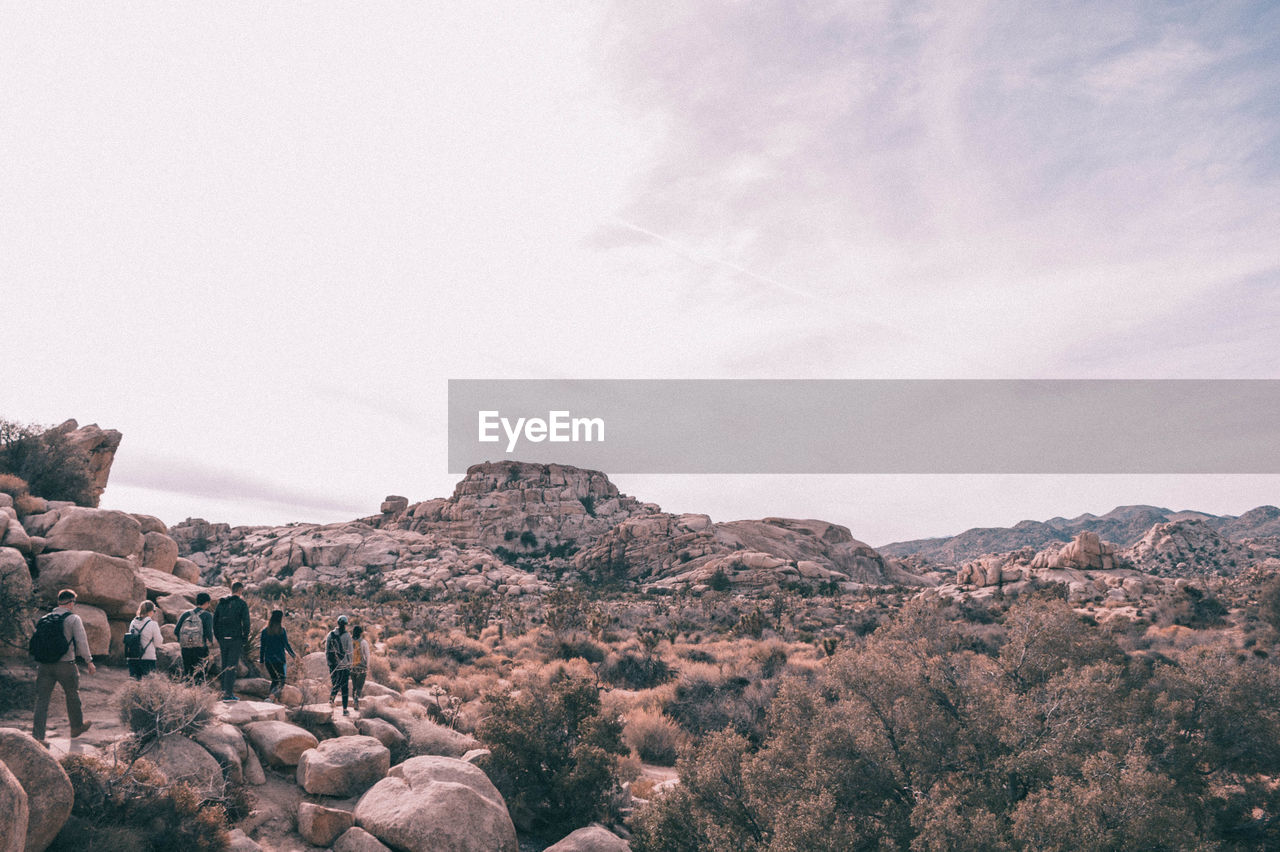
(231, 625)
(337, 653)
(141, 641)
(359, 663)
(60, 630)
(273, 644)
(195, 634)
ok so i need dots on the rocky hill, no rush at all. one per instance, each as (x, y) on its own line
(512, 527)
(1124, 525)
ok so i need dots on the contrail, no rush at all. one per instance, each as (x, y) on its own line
(702, 260)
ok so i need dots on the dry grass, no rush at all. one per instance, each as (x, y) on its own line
(653, 737)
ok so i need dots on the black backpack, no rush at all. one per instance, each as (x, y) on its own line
(133, 647)
(226, 618)
(332, 649)
(49, 643)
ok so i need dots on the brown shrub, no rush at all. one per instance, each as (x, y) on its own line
(654, 737)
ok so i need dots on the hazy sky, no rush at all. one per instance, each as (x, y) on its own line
(258, 238)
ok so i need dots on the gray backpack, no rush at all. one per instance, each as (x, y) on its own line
(192, 633)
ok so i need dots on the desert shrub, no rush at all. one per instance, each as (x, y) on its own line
(461, 651)
(14, 486)
(653, 736)
(51, 465)
(771, 657)
(635, 671)
(131, 806)
(380, 669)
(706, 701)
(578, 646)
(553, 754)
(155, 707)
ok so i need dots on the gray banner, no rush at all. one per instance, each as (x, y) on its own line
(870, 426)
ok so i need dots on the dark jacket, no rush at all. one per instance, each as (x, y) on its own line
(231, 619)
(273, 647)
(206, 619)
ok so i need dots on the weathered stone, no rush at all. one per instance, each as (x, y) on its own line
(159, 552)
(103, 581)
(185, 569)
(279, 743)
(97, 629)
(99, 446)
(226, 744)
(242, 713)
(253, 769)
(173, 606)
(238, 841)
(593, 838)
(49, 792)
(383, 731)
(150, 524)
(358, 840)
(13, 804)
(437, 803)
(181, 759)
(15, 577)
(342, 767)
(321, 826)
(100, 530)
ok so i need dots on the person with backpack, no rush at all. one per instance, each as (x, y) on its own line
(141, 641)
(232, 626)
(359, 663)
(273, 644)
(58, 640)
(337, 653)
(195, 634)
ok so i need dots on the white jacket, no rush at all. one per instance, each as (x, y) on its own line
(151, 637)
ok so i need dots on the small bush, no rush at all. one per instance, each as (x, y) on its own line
(51, 465)
(126, 806)
(155, 707)
(654, 737)
(14, 486)
(567, 649)
(635, 671)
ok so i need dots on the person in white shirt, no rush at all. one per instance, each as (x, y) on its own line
(149, 639)
(63, 672)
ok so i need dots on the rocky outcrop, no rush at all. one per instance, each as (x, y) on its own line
(49, 792)
(343, 767)
(438, 804)
(101, 530)
(1188, 548)
(99, 447)
(1086, 552)
(103, 581)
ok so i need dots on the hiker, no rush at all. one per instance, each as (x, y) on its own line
(195, 635)
(58, 640)
(141, 641)
(359, 663)
(337, 653)
(231, 626)
(273, 644)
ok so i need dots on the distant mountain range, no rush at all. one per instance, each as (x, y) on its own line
(1124, 525)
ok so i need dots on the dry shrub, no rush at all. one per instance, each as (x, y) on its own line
(14, 486)
(654, 737)
(28, 505)
(379, 669)
(642, 788)
(155, 707)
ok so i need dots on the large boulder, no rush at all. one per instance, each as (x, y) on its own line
(593, 838)
(150, 524)
(49, 791)
(104, 581)
(99, 446)
(185, 569)
(343, 767)
(314, 666)
(15, 577)
(383, 731)
(321, 826)
(97, 629)
(227, 745)
(358, 840)
(13, 804)
(439, 804)
(159, 552)
(101, 530)
(279, 743)
(181, 759)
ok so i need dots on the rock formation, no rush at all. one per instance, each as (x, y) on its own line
(99, 446)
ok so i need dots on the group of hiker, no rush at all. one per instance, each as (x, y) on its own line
(60, 639)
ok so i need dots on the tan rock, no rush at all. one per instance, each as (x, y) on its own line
(103, 581)
(15, 576)
(279, 744)
(100, 530)
(438, 804)
(13, 804)
(99, 446)
(343, 767)
(182, 759)
(358, 840)
(159, 552)
(383, 731)
(97, 629)
(49, 792)
(593, 838)
(150, 523)
(185, 569)
(321, 826)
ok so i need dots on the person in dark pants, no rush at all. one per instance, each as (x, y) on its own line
(337, 653)
(64, 672)
(144, 624)
(359, 663)
(197, 638)
(273, 644)
(231, 626)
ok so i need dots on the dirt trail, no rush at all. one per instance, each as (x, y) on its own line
(97, 697)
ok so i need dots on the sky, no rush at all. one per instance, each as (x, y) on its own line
(259, 239)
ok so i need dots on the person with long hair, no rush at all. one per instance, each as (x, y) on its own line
(144, 638)
(273, 645)
(359, 663)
